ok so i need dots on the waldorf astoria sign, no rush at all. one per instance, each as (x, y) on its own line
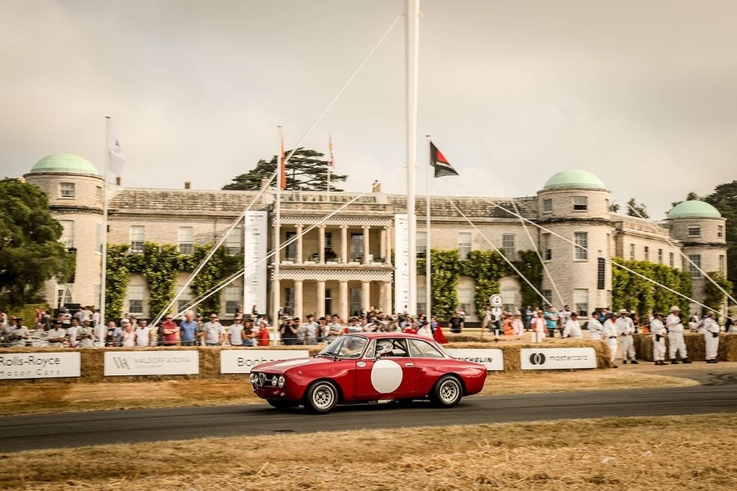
(39, 365)
(120, 363)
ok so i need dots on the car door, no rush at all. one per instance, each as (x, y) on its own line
(390, 375)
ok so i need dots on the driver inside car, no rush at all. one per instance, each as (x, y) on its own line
(383, 348)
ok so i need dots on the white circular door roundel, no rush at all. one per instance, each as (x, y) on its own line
(386, 376)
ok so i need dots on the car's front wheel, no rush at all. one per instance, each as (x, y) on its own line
(447, 391)
(321, 397)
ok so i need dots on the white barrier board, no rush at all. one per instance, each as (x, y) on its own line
(492, 358)
(242, 361)
(182, 362)
(557, 358)
(15, 366)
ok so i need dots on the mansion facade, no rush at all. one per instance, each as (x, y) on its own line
(344, 264)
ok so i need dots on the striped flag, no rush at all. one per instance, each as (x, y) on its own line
(115, 153)
(330, 146)
(440, 163)
(282, 164)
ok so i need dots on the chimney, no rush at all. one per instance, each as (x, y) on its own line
(117, 181)
(376, 187)
(187, 185)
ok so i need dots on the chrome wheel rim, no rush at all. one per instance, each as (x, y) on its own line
(449, 391)
(323, 396)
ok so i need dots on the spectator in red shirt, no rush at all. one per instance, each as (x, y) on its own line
(171, 330)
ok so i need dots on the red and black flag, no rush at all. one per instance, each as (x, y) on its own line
(440, 163)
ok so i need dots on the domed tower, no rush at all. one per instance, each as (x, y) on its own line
(701, 229)
(74, 187)
(574, 204)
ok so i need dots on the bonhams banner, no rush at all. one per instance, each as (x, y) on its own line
(118, 363)
(242, 361)
(557, 358)
(492, 358)
(39, 365)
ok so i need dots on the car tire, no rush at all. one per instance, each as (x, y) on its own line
(280, 405)
(321, 397)
(447, 391)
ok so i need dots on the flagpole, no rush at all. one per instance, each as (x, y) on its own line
(103, 235)
(428, 256)
(413, 35)
(276, 286)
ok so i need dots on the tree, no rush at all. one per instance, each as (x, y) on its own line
(30, 251)
(614, 207)
(691, 196)
(635, 210)
(724, 199)
(305, 171)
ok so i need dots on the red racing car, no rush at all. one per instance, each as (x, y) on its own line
(369, 367)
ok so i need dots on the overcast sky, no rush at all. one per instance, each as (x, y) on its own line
(642, 93)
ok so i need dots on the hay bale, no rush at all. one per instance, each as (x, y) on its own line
(695, 346)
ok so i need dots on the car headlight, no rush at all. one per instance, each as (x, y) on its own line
(253, 378)
(282, 381)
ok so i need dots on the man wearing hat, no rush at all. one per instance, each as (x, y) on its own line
(675, 336)
(56, 335)
(657, 328)
(711, 330)
(595, 328)
(625, 331)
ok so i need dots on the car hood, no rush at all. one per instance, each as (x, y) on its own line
(282, 366)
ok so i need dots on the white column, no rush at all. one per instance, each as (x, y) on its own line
(344, 300)
(299, 244)
(382, 242)
(344, 243)
(366, 248)
(366, 295)
(388, 253)
(321, 251)
(298, 299)
(387, 307)
(320, 298)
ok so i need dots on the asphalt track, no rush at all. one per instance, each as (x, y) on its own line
(19, 433)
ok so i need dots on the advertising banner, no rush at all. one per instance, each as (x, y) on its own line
(242, 361)
(401, 263)
(492, 358)
(254, 251)
(557, 358)
(15, 366)
(118, 363)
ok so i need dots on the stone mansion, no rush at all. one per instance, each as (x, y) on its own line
(344, 264)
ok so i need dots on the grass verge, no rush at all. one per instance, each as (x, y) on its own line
(678, 452)
(57, 397)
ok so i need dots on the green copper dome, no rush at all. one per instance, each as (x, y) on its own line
(693, 209)
(574, 178)
(65, 162)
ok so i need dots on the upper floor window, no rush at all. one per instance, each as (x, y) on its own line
(137, 237)
(98, 193)
(67, 189)
(421, 244)
(234, 242)
(647, 253)
(98, 238)
(722, 268)
(548, 205)
(671, 260)
(580, 203)
(720, 231)
(694, 231)
(67, 233)
(694, 265)
(508, 245)
(582, 244)
(547, 250)
(632, 252)
(660, 256)
(186, 240)
(464, 244)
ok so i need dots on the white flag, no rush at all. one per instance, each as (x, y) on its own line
(117, 159)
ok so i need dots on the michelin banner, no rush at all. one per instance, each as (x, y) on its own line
(14, 366)
(493, 359)
(242, 361)
(120, 363)
(557, 358)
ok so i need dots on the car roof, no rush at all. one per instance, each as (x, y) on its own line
(381, 335)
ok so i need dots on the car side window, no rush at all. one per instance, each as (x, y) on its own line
(391, 348)
(423, 349)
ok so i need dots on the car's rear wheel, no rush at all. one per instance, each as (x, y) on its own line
(280, 405)
(321, 397)
(447, 391)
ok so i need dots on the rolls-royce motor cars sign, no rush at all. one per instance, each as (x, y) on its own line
(15, 366)
(557, 358)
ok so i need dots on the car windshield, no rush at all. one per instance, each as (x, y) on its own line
(345, 347)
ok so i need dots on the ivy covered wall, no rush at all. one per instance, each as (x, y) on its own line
(160, 264)
(632, 292)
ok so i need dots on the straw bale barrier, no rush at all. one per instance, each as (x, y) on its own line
(92, 360)
(695, 346)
